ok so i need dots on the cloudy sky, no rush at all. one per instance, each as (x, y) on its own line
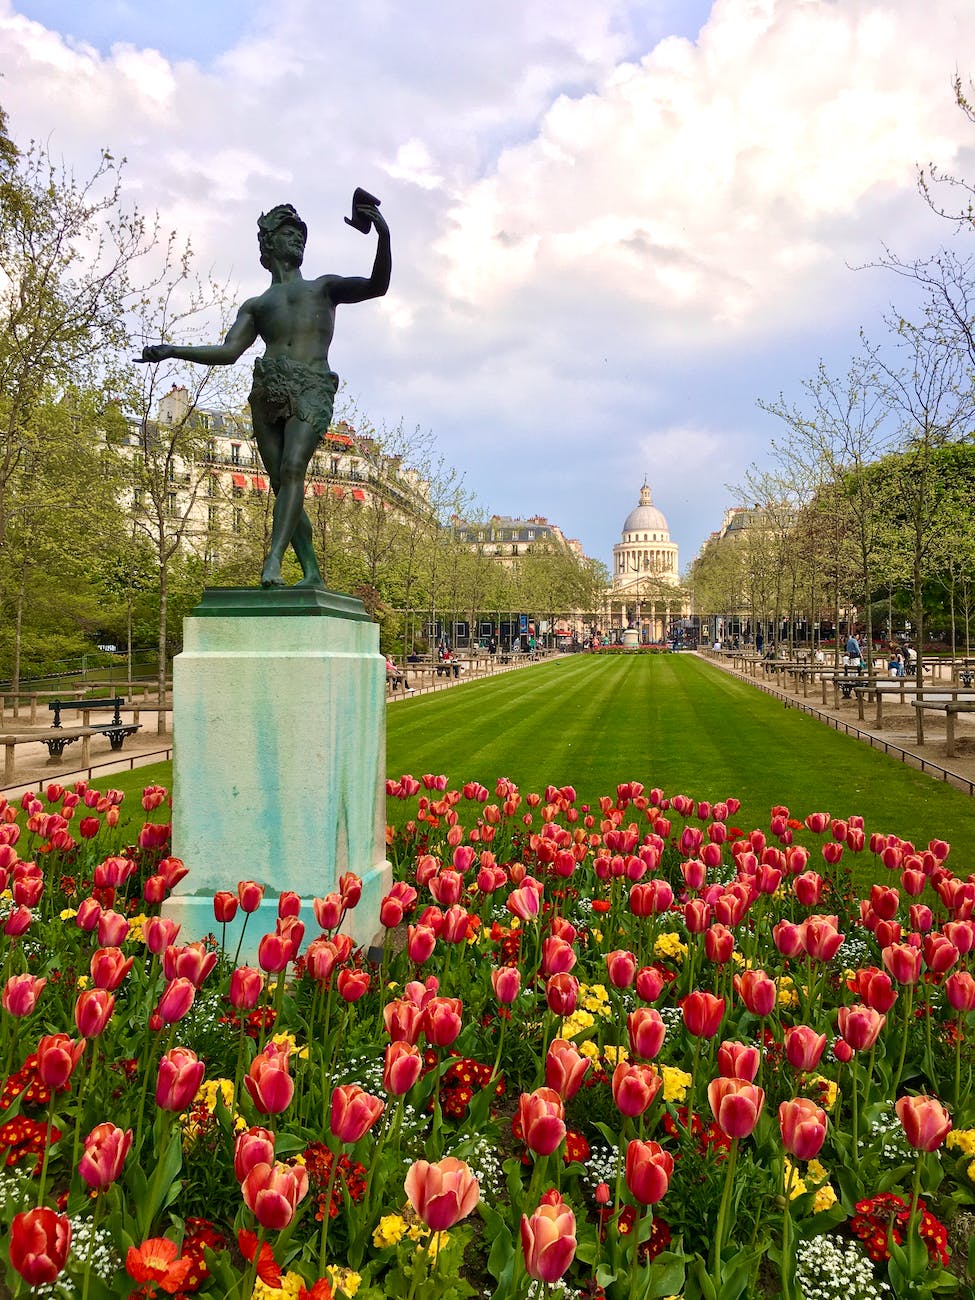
(616, 223)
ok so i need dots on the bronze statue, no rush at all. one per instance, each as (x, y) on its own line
(294, 388)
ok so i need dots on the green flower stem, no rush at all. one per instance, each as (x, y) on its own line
(326, 1212)
(47, 1150)
(912, 1223)
(145, 1222)
(238, 1075)
(723, 1209)
(91, 1243)
(855, 1106)
(635, 1265)
(959, 1021)
(495, 1068)
(240, 941)
(908, 1009)
(788, 1266)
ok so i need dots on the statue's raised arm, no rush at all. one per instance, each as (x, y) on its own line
(294, 385)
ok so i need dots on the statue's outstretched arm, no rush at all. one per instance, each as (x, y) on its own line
(239, 338)
(356, 288)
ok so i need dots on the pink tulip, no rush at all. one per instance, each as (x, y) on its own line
(272, 1193)
(803, 1127)
(634, 1087)
(646, 1030)
(621, 968)
(57, 1056)
(403, 1064)
(860, 1026)
(354, 1112)
(176, 1000)
(192, 961)
(109, 968)
(903, 961)
(565, 1068)
(525, 903)
(926, 1122)
(113, 929)
(558, 957)
(328, 911)
(960, 991)
(246, 987)
(179, 1079)
(442, 1020)
(542, 1117)
(736, 1105)
(821, 938)
(940, 954)
(738, 1061)
(225, 906)
(648, 1171)
(757, 991)
(352, 984)
(443, 1193)
(252, 1147)
(420, 943)
(159, 933)
(719, 944)
(506, 982)
(20, 994)
(250, 895)
(649, 983)
(548, 1240)
(561, 994)
(804, 1047)
(267, 1080)
(92, 1012)
(105, 1150)
(788, 938)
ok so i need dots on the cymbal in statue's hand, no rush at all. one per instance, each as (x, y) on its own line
(155, 352)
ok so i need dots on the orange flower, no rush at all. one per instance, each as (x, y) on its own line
(158, 1260)
(268, 1269)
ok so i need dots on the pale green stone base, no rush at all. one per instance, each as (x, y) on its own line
(279, 721)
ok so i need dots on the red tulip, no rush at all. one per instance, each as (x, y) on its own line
(268, 1081)
(646, 1030)
(113, 929)
(179, 1079)
(548, 1240)
(420, 943)
(443, 1193)
(403, 1064)
(960, 991)
(274, 953)
(561, 994)
(558, 957)
(703, 1013)
(649, 983)
(808, 888)
(803, 1127)
(246, 986)
(109, 968)
(821, 938)
(648, 1171)
(903, 961)
(719, 944)
(224, 906)
(621, 968)
(39, 1243)
(442, 1020)
(804, 1047)
(159, 933)
(272, 1193)
(860, 1026)
(697, 915)
(354, 1112)
(250, 894)
(328, 911)
(352, 984)
(788, 938)
(192, 961)
(634, 1087)
(57, 1056)
(105, 1150)
(926, 1122)
(940, 954)
(289, 904)
(20, 994)
(403, 1020)
(92, 1011)
(757, 991)
(506, 982)
(176, 1000)
(252, 1147)
(738, 1061)
(874, 987)
(736, 1105)
(565, 1068)
(542, 1117)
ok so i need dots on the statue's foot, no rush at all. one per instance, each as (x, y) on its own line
(312, 580)
(271, 577)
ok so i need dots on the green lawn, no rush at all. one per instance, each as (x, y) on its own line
(666, 720)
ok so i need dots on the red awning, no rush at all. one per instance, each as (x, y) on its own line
(358, 494)
(260, 484)
(341, 438)
(239, 480)
(318, 489)
(339, 492)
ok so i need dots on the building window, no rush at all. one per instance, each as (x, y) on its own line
(335, 467)
(137, 498)
(238, 519)
(212, 485)
(213, 517)
(171, 503)
(235, 453)
(204, 421)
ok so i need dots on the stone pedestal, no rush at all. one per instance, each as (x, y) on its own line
(631, 637)
(279, 724)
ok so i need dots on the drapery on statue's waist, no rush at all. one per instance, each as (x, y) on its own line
(284, 388)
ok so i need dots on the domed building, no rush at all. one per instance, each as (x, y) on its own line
(646, 599)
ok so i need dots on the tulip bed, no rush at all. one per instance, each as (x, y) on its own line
(628, 1050)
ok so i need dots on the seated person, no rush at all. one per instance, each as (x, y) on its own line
(395, 676)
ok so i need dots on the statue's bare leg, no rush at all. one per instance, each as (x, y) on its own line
(290, 525)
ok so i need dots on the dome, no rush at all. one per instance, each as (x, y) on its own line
(645, 517)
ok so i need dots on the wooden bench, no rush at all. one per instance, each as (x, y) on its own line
(951, 709)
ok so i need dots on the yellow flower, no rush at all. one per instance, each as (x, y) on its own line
(288, 1040)
(737, 957)
(291, 1284)
(82, 981)
(436, 1244)
(963, 1139)
(669, 945)
(787, 995)
(389, 1231)
(970, 1171)
(615, 1054)
(676, 1083)
(577, 1023)
(589, 1048)
(825, 1196)
(825, 1089)
(344, 1279)
(135, 927)
(208, 1093)
(67, 913)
